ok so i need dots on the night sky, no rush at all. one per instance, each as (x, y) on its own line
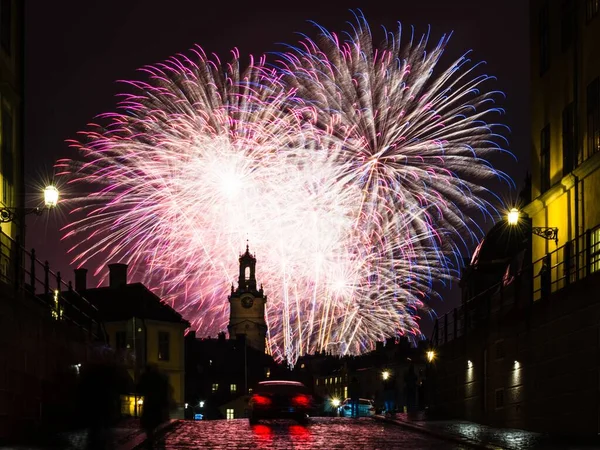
(77, 50)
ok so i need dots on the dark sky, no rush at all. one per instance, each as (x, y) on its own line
(76, 50)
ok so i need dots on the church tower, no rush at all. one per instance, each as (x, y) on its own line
(247, 306)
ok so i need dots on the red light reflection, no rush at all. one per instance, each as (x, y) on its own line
(263, 432)
(299, 433)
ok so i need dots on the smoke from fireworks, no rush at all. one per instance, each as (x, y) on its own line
(347, 167)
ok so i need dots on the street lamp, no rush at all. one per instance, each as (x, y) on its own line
(50, 201)
(430, 355)
(335, 402)
(385, 374)
(548, 233)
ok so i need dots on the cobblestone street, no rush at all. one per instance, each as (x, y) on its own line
(320, 433)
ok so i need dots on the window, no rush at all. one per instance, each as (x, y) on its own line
(544, 38)
(215, 387)
(499, 398)
(267, 372)
(8, 169)
(345, 391)
(6, 25)
(595, 250)
(593, 117)
(567, 24)
(121, 340)
(545, 159)
(568, 140)
(317, 382)
(230, 414)
(591, 9)
(233, 388)
(163, 346)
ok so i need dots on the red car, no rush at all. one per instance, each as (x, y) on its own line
(280, 400)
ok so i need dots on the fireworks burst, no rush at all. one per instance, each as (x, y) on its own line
(346, 166)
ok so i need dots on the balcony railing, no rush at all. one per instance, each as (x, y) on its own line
(23, 273)
(566, 265)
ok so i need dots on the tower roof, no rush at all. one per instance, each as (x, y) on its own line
(247, 256)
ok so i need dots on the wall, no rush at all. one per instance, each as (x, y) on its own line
(554, 386)
(38, 379)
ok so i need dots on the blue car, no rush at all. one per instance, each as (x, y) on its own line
(366, 408)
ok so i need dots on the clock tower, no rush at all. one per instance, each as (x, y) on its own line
(247, 306)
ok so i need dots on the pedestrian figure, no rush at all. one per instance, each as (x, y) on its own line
(354, 389)
(154, 387)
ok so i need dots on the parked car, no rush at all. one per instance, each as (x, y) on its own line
(280, 400)
(366, 408)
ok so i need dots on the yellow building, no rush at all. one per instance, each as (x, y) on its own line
(143, 330)
(11, 142)
(565, 102)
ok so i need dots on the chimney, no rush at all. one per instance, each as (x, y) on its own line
(80, 279)
(117, 275)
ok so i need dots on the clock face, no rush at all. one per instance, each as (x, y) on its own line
(247, 302)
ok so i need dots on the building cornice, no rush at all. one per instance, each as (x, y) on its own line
(582, 171)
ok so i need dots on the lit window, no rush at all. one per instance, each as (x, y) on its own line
(230, 414)
(317, 382)
(345, 391)
(215, 387)
(233, 388)
(267, 372)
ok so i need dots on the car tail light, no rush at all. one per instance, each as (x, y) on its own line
(301, 400)
(261, 400)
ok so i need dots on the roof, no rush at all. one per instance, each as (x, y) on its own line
(131, 300)
(500, 244)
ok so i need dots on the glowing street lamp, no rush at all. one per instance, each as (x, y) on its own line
(335, 402)
(513, 216)
(50, 197)
(430, 355)
(548, 233)
(50, 201)
(385, 374)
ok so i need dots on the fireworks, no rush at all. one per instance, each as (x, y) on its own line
(352, 170)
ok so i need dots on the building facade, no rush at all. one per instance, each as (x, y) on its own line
(143, 330)
(565, 137)
(11, 122)
(521, 350)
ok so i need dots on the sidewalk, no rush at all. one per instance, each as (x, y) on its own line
(126, 436)
(479, 436)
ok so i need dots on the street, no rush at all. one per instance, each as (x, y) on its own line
(320, 433)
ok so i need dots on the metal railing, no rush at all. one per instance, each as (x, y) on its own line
(574, 261)
(568, 264)
(23, 273)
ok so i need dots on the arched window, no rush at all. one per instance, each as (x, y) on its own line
(247, 273)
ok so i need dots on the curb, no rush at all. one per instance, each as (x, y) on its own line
(138, 441)
(440, 435)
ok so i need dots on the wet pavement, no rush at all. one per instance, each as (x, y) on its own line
(320, 433)
(501, 438)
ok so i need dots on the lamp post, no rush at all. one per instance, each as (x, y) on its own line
(8, 214)
(548, 233)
